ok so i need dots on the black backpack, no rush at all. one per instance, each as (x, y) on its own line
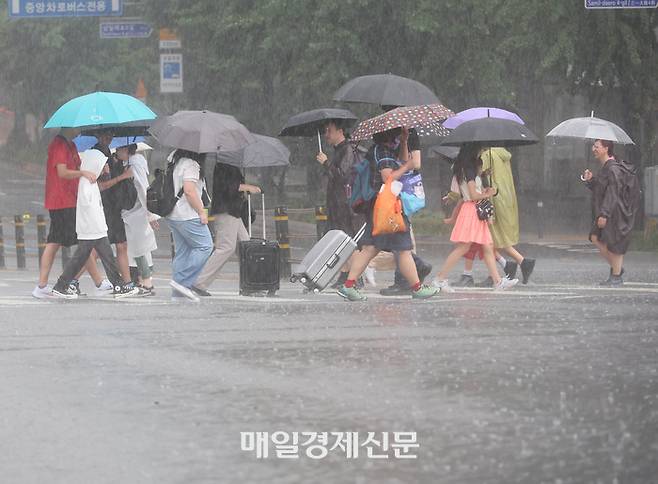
(160, 196)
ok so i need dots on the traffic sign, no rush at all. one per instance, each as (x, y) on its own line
(171, 72)
(64, 8)
(125, 29)
(594, 4)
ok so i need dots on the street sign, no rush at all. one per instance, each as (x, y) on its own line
(64, 8)
(171, 72)
(125, 29)
(594, 4)
(169, 40)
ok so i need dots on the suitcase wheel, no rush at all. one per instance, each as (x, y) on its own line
(293, 279)
(316, 291)
(303, 280)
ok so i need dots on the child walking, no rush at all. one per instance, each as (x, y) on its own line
(91, 228)
(469, 229)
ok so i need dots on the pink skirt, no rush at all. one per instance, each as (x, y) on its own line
(469, 228)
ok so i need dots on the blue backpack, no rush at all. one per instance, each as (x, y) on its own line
(361, 189)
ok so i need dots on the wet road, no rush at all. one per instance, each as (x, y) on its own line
(556, 381)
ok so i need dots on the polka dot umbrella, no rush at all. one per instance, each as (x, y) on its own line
(426, 120)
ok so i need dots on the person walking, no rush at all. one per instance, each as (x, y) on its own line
(138, 221)
(188, 223)
(63, 173)
(338, 170)
(496, 165)
(91, 230)
(229, 207)
(113, 174)
(469, 229)
(388, 167)
(615, 203)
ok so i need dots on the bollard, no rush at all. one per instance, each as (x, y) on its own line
(66, 256)
(41, 235)
(320, 221)
(173, 248)
(540, 219)
(283, 237)
(20, 242)
(211, 227)
(2, 247)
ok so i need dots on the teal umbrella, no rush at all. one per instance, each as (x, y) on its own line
(100, 109)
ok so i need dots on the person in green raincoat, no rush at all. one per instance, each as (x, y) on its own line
(497, 164)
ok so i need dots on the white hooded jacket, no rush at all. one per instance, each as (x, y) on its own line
(90, 219)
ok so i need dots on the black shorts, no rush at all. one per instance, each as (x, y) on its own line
(62, 227)
(116, 230)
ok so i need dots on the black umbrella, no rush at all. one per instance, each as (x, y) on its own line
(309, 123)
(490, 132)
(448, 152)
(386, 90)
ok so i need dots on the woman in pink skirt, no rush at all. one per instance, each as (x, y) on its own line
(469, 229)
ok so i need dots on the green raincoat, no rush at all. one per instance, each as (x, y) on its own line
(505, 227)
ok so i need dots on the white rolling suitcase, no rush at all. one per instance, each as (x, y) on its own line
(323, 262)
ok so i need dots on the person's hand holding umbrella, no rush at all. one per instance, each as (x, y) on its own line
(322, 158)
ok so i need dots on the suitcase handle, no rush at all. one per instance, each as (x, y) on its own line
(334, 260)
(249, 211)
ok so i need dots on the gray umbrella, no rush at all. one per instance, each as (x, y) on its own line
(266, 151)
(201, 132)
(590, 128)
(385, 90)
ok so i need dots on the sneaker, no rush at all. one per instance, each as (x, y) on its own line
(443, 286)
(126, 290)
(75, 285)
(613, 281)
(350, 293)
(369, 275)
(488, 282)
(527, 266)
(146, 291)
(510, 269)
(185, 291)
(465, 281)
(105, 287)
(424, 292)
(67, 292)
(395, 290)
(42, 292)
(424, 270)
(342, 277)
(505, 284)
(200, 292)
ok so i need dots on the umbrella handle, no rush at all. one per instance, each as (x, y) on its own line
(319, 141)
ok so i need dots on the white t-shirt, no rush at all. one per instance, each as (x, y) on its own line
(186, 170)
(463, 187)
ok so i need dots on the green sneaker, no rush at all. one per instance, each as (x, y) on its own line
(350, 293)
(424, 292)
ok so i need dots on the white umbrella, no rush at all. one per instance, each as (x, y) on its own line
(590, 128)
(141, 146)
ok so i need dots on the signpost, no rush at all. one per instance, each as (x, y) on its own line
(64, 8)
(171, 73)
(125, 29)
(597, 4)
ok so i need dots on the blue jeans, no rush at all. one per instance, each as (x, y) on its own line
(193, 245)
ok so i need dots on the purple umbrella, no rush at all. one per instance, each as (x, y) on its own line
(479, 113)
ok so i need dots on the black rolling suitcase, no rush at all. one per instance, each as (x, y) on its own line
(260, 262)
